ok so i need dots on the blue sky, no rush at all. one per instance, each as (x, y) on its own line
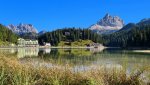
(53, 14)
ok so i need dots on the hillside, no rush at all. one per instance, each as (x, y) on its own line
(31, 35)
(69, 35)
(7, 36)
(81, 43)
(132, 35)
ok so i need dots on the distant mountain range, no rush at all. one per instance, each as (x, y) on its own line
(109, 24)
(130, 26)
(110, 31)
(22, 28)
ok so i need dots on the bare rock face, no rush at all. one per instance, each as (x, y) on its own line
(23, 28)
(108, 25)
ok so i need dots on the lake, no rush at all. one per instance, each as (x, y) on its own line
(79, 59)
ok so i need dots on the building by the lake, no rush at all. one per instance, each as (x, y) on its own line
(27, 43)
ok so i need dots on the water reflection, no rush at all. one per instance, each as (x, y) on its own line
(7, 51)
(79, 58)
(27, 52)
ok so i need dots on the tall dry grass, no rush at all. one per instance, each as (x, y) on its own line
(12, 72)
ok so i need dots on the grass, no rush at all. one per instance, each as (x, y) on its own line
(82, 43)
(4, 43)
(12, 72)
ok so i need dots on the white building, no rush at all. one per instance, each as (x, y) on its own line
(27, 43)
(47, 44)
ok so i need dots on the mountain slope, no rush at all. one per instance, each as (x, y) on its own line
(7, 35)
(128, 27)
(132, 35)
(144, 22)
(108, 25)
(42, 32)
(69, 35)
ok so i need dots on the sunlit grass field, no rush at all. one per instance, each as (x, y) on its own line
(13, 72)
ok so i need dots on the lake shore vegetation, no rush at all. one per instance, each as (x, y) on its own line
(13, 72)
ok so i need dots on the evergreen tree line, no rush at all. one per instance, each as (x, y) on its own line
(69, 35)
(31, 36)
(7, 35)
(138, 36)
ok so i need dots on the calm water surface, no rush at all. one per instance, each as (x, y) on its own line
(79, 59)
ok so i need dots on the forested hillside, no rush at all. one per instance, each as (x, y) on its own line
(69, 35)
(135, 36)
(31, 35)
(132, 35)
(7, 35)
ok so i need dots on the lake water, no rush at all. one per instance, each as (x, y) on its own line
(79, 59)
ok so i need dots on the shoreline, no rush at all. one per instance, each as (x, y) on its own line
(59, 47)
(137, 50)
(141, 51)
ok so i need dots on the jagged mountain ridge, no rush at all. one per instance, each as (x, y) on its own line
(22, 28)
(109, 24)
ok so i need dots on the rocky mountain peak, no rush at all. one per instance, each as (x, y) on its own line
(22, 28)
(108, 24)
(109, 20)
(107, 16)
(12, 26)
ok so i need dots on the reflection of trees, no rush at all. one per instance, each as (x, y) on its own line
(87, 57)
(76, 57)
(69, 56)
(80, 57)
(123, 57)
(75, 52)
